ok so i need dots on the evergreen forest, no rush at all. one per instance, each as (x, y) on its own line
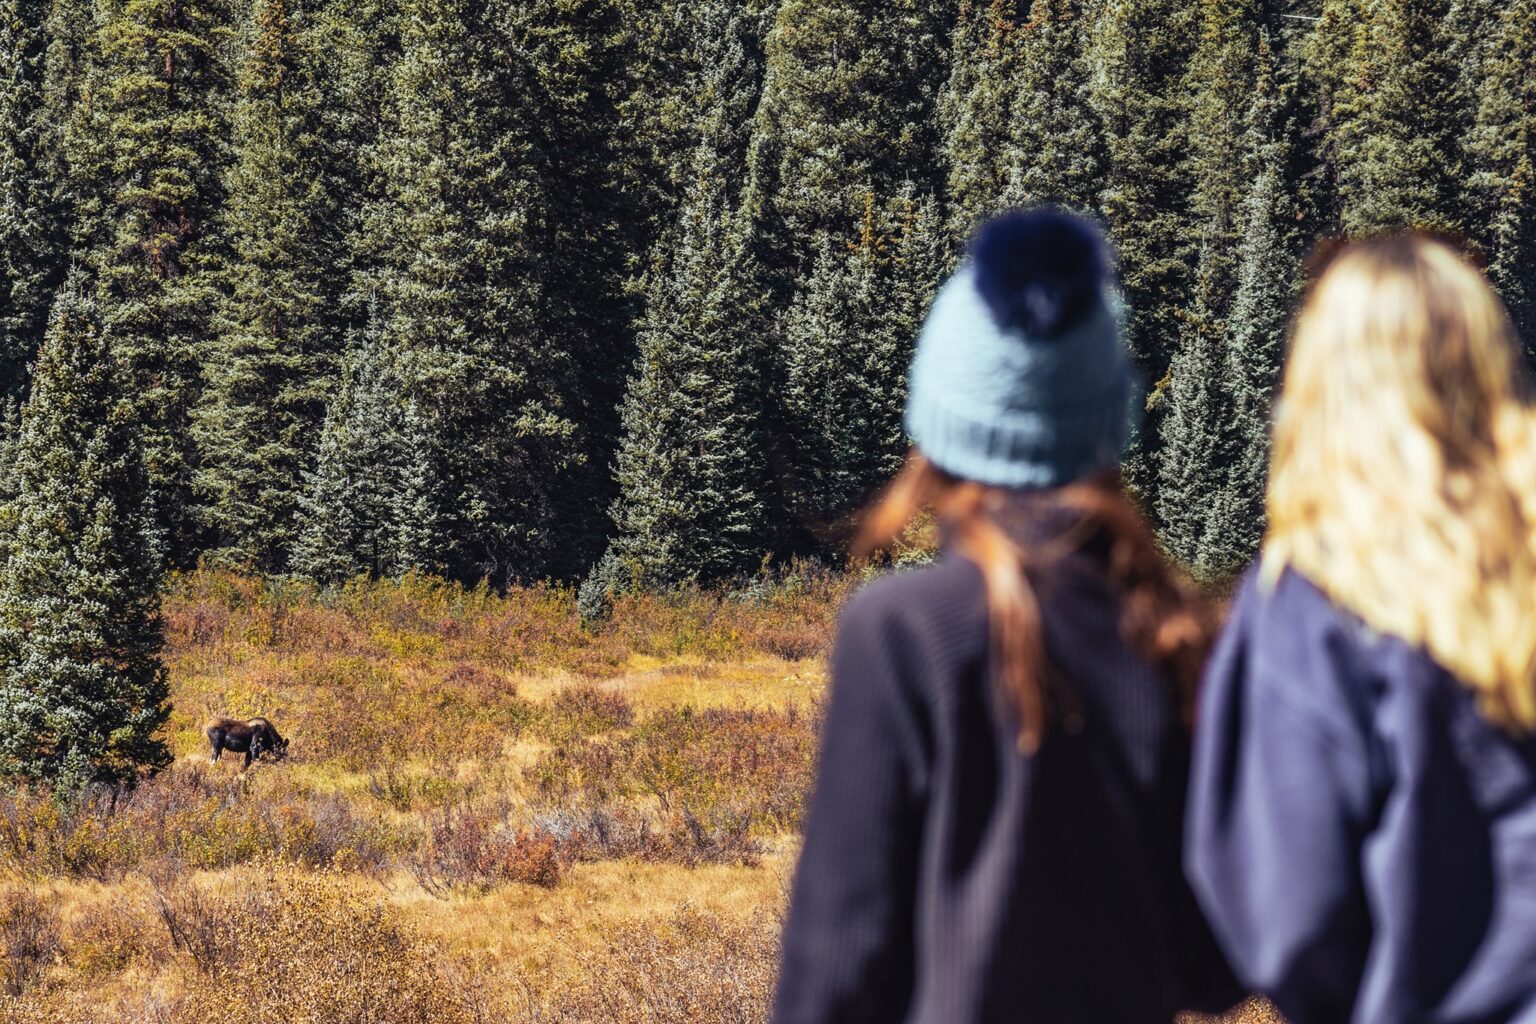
(623, 291)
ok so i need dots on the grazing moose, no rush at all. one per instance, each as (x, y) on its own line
(252, 738)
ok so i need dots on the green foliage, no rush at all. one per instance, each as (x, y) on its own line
(846, 110)
(280, 330)
(1389, 88)
(148, 145)
(1019, 126)
(847, 339)
(1140, 52)
(1216, 432)
(82, 688)
(463, 235)
(30, 256)
(1056, 150)
(507, 289)
(975, 107)
(369, 506)
(1504, 147)
(690, 467)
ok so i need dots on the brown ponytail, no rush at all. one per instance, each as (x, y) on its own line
(1164, 617)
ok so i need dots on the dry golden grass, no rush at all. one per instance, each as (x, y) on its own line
(489, 814)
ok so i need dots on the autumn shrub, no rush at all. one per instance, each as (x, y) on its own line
(583, 710)
(224, 617)
(617, 831)
(757, 762)
(317, 947)
(106, 938)
(476, 849)
(191, 815)
(29, 939)
(404, 792)
(695, 967)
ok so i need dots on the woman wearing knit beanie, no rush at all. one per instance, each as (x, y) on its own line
(995, 832)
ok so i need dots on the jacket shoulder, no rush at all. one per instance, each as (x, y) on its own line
(943, 595)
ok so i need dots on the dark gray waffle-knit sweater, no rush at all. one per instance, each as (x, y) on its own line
(946, 878)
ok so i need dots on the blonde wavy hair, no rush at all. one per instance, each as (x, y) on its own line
(1404, 474)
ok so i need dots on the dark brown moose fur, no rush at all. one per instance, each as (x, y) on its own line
(252, 738)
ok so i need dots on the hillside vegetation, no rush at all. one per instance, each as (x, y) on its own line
(488, 813)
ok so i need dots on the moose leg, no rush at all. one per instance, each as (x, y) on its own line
(217, 739)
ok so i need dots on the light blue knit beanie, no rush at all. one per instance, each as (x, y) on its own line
(1021, 377)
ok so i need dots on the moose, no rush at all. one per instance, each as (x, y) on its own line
(252, 738)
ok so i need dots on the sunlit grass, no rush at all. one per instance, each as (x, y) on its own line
(520, 819)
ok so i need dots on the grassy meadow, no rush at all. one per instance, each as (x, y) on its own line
(488, 813)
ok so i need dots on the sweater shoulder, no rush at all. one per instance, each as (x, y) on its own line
(1293, 640)
(942, 604)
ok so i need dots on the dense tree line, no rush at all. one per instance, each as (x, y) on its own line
(624, 290)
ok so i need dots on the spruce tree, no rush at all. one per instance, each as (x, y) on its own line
(1221, 84)
(1021, 131)
(1504, 147)
(976, 108)
(1389, 88)
(584, 237)
(1198, 448)
(10, 481)
(1196, 432)
(1269, 282)
(147, 150)
(1140, 52)
(690, 467)
(461, 273)
(30, 257)
(82, 688)
(847, 109)
(848, 340)
(281, 328)
(1056, 152)
(369, 504)
(1216, 433)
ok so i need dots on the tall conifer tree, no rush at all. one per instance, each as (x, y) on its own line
(82, 690)
(1504, 147)
(847, 109)
(30, 256)
(584, 238)
(1389, 87)
(1198, 449)
(1140, 53)
(1196, 433)
(1269, 281)
(1021, 131)
(462, 278)
(369, 508)
(280, 330)
(976, 109)
(691, 465)
(147, 149)
(1056, 151)
(847, 342)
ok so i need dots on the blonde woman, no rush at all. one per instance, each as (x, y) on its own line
(1363, 807)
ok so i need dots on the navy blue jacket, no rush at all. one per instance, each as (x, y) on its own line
(946, 878)
(1363, 840)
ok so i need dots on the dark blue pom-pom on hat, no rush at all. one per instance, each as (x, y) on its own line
(1021, 378)
(1040, 271)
